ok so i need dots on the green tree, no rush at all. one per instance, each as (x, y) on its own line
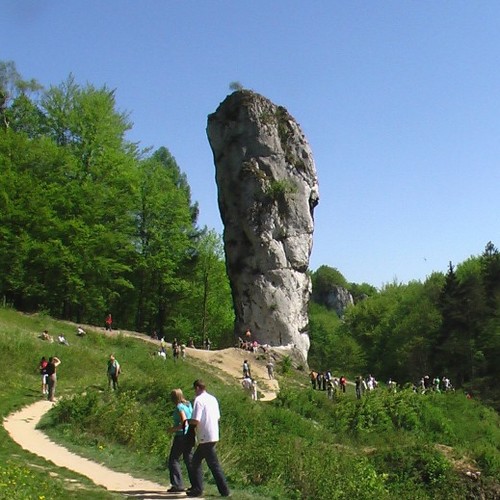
(212, 290)
(100, 196)
(70, 201)
(452, 350)
(361, 291)
(332, 346)
(13, 86)
(165, 246)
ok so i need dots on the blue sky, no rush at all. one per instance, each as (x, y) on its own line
(399, 100)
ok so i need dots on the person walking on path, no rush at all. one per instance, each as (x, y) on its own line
(175, 349)
(113, 371)
(109, 322)
(246, 383)
(205, 418)
(246, 369)
(255, 393)
(270, 369)
(51, 370)
(181, 446)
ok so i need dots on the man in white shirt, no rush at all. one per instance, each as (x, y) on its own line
(205, 418)
(247, 384)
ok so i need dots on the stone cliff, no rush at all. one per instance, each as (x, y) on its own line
(267, 191)
(338, 299)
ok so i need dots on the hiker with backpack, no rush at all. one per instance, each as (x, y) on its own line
(113, 371)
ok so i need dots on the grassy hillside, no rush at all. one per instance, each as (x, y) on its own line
(299, 446)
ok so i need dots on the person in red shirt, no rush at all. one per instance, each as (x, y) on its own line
(343, 383)
(43, 372)
(109, 322)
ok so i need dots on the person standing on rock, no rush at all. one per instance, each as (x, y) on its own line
(206, 416)
(180, 445)
(51, 370)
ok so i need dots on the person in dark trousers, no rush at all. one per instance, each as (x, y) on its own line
(181, 445)
(205, 418)
(113, 371)
(109, 322)
(51, 369)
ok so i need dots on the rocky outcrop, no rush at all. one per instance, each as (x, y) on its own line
(338, 299)
(267, 191)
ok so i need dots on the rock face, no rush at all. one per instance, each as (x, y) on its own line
(338, 298)
(267, 191)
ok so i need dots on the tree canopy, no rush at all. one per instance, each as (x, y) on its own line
(91, 225)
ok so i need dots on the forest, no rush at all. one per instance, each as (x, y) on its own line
(91, 224)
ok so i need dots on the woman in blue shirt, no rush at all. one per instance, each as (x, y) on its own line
(181, 445)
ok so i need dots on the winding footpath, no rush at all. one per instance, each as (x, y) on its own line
(21, 427)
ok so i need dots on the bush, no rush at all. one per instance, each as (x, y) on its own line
(413, 467)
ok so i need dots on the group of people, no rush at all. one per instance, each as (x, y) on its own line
(369, 383)
(48, 373)
(195, 426)
(178, 349)
(251, 344)
(48, 367)
(195, 422)
(325, 381)
(61, 339)
(436, 384)
(249, 383)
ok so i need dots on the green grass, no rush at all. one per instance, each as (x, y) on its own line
(300, 446)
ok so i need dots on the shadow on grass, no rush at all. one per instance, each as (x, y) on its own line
(151, 494)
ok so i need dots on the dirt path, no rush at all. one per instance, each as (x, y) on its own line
(230, 362)
(21, 428)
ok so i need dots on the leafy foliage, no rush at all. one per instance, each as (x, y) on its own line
(446, 326)
(89, 225)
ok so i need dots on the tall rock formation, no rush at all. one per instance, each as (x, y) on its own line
(267, 191)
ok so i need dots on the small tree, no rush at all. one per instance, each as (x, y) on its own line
(234, 86)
